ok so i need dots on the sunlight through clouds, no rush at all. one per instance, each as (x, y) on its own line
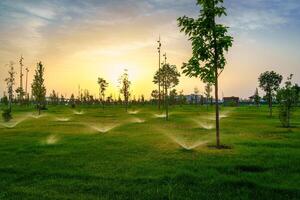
(80, 40)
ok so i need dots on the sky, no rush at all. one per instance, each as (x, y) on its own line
(79, 41)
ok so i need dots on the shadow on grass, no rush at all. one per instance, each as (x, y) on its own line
(250, 168)
(220, 147)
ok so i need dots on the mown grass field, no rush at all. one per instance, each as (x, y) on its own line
(90, 153)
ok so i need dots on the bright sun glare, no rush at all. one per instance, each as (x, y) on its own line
(114, 73)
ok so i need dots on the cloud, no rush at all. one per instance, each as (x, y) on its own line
(69, 33)
(261, 14)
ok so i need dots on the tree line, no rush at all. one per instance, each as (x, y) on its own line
(210, 42)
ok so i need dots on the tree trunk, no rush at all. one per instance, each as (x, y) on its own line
(103, 102)
(166, 103)
(207, 104)
(216, 63)
(10, 105)
(270, 105)
(288, 117)
(39, 108)
(159, 95)
(217, 112)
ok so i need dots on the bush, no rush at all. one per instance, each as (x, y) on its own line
(6, 115)
(4, 100)
(288, 98)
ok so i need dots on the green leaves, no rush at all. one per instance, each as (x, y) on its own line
(209, 41)
(38, 87)
(288, 98)
(167, 75)
(269, 81)
(125, 86)
(103, 84)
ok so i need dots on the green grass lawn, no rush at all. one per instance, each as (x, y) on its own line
(90, 153)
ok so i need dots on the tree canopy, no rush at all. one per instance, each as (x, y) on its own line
(38, 87)
(269, 81)
(209, 41)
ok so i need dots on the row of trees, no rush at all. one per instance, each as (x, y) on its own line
(125, 84)
(286, 96)
(210, 41)
(37, 87)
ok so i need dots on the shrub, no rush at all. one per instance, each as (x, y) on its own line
(288, 98)
(4, 100)
(6, 115)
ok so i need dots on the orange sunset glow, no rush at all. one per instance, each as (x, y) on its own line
(81, 41)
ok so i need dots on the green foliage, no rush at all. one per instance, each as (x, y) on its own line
(168, 77)
(6, 115)
(54, 99)
(269, 81)
(256, 97)
(10, 82)
(173, 95)
(209, 41)
(72, 101)
(20, 93)
(208, 91)
(102, 87)
(231, 103)
(4, 100)
(38, 88)
(288, 99)
(125, 87)
(154, 95)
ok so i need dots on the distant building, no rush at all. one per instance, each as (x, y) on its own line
(193, 99)
(231, 101)
(252, 99)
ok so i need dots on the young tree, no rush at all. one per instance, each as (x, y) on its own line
(38, 88)
(207, 93)
(209, 42)
(173, 95)
(26, 83)
(72, 101)
(125, 86)
(270, 81)
(53, 98)
(20, 91)
(288, 98)
(102, 87)
(142, 99)
(256, 98)
(4, 99)
(10, 82)
(155, 95)
(109, 99)
(169, 78)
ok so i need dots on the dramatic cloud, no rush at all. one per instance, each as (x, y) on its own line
(80, 40)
